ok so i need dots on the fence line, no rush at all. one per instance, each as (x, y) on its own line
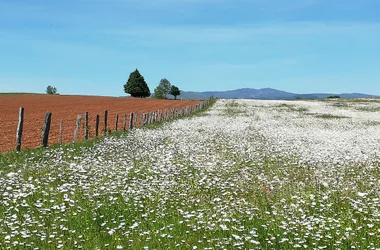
(136, 120)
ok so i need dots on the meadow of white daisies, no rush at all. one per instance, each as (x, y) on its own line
(246, 174)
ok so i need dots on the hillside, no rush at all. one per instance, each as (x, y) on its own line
(264, 94)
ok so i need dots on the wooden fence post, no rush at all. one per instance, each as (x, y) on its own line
(117, 121)
(97, 125)
(46, 129)
(79, 119)
(86, 126)
(60, 131)
(125, 122)
(131, 121)
(19, 129)
(105, 122)
(135, 119)
(145, 119)
(141, 120)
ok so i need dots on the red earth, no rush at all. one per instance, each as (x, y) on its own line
(67, 108)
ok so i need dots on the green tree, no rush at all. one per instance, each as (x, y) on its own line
(165, 85)
(159, 93)
(162, 89)
(333, 97)
(175, 91)
(50, 90)
(136, 85)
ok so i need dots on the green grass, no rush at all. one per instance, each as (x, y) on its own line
(291, 108)
(233, 108)
(264, 202)
(368, 109)
(330, 116)
(200, 112)
(341, 104)
(372, 123)
(85, 232)
(161, 224)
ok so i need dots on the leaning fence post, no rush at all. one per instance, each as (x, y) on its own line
(97, 125)
(86, 126)
(19, 129)
(60, 131)
(79, 119)
(105, 122)
(46, 129)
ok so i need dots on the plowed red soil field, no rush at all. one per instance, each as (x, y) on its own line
(67, 108)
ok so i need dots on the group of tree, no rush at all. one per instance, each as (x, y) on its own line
(333, 97)
(164, 88)
(137, 87)
(50, 90)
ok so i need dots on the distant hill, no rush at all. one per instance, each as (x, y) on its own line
(264, 94)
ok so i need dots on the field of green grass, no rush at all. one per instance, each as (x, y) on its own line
(243, 174)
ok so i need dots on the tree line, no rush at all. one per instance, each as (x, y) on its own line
(137, 87)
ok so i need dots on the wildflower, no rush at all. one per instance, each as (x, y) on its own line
(362, 194)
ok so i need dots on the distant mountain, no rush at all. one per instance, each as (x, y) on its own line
(264, 94)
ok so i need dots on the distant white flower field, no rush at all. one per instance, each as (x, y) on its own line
(247, 174)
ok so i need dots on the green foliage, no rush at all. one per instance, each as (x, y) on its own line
(175, 91)
(162, 89)
(50, 90)
(159, 93)
(165, 85)
(136, 85)
(333, 97)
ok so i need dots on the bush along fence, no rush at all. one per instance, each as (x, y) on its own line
(130, 121)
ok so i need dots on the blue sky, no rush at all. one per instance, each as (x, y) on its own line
(91, 46)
